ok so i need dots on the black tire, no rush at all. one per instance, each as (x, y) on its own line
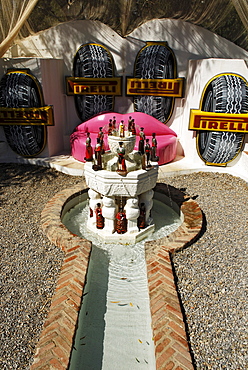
(155, 61)
(225, 94)
(19, 90)
(93, 61)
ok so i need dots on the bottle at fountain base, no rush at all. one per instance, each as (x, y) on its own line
(99, 217)
(142, 217)
(94, 198)
(121, 222)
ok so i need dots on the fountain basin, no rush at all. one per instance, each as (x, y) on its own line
(71, 282)
(111, 183)
(117, 286)
(163, 207)
(128, 143)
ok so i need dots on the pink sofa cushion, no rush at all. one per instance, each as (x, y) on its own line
(166, 138)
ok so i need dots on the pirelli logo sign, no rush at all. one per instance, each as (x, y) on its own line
(27, 116)
(94, 86)
(210, 121)
(134, 86)
(155, 87)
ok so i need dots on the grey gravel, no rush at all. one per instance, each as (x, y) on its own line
(29, 263)
(212, 273)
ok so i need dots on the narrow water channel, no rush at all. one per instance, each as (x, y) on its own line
(114, 327)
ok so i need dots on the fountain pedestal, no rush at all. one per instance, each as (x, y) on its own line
(110, 189)
(120, 193)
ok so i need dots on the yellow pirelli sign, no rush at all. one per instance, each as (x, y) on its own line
(27, 116)
(94, 86)
(211, 121)
(155, 87)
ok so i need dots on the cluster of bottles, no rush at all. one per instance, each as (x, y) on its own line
(149, 152)
(121, 218)
(99, 149)
(120, 131)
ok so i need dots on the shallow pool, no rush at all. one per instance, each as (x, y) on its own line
(114, 326)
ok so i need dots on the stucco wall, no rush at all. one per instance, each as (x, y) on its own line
(200, 55)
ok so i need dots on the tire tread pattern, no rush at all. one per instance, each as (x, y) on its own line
(154, 61)
(93, 61)
(18, 90)
(225, 94)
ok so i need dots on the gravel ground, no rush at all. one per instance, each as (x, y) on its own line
(29, 263)
(212, 273)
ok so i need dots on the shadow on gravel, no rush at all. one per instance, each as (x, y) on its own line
(22, 175)
(13, 174)
(179, 196)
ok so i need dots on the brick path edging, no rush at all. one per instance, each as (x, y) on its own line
(54, 347)
(171, 347)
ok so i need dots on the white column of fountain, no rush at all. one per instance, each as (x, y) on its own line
(109, 211)
(147, 199)
(132, 213)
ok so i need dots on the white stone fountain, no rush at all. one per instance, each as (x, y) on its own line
(120, 191)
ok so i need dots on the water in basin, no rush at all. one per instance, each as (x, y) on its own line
(114, 327)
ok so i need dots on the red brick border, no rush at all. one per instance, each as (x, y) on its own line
(54, 346)
(56, 339)
(171, 345)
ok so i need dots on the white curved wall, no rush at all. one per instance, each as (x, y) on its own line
(200, 55)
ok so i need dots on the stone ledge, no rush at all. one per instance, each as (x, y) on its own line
(171, 347)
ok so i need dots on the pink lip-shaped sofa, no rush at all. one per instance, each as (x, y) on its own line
(166, 138)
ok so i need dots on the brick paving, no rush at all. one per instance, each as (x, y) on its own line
(56, 339)
(170, 339)
(171, 346)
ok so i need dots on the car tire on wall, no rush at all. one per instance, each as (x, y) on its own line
(155, 60)
(93, 61)
(21, 90)
(227, 93)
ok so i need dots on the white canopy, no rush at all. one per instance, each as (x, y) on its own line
(21, 18)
